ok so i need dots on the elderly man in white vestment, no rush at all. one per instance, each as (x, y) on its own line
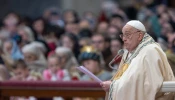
(143, 69)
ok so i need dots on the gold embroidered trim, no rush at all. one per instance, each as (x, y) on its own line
(120, 72)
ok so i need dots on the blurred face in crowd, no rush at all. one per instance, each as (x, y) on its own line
(7, 46)
(116, 22)
(29, 57)
(115, 46)
(62, 59)
(20, 73)
(84, 24)
(91, 65)
(38, 26)
(69, 16)
(3, 73)
(72, 28)
(166, 28)
(112, 32)
(102, 28)
(164, 18)
(11, 21)
(91, 18)
(53, 64)
(67, 42)
(131, 37)
(23, 34)
(98, 42)
(161, 9)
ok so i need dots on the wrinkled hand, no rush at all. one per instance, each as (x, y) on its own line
(105, 85)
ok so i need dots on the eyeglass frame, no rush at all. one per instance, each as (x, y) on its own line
(128, 36)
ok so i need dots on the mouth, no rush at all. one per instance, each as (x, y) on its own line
(125, 43)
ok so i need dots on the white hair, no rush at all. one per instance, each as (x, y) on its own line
(28, 32)
(71, 60)
(39, 45)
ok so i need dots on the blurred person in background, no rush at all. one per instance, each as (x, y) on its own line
(70, 41)
(4, 74)
(70, 16)
(101, 44)
(117, 21)
(55, 17)
(115, 45)
(168, 32)
(102, 28)
(72, 27)
(11, 22)
(91, 18)
(112, 32)
(90, 59)
(39, 26)
(55, 71)
(68, 61)
(52, 36)
(21, 72)
(11, 48)
(33, 57)
(26, 34)
(98, 42)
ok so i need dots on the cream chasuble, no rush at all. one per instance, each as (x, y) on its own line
(140, 76)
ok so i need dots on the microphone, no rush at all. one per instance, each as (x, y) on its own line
(119, 54)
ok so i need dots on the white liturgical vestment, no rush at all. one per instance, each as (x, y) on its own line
(140, 76)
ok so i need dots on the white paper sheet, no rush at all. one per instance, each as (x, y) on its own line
(87, 72)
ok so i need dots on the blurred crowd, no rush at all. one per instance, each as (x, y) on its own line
(51, 46)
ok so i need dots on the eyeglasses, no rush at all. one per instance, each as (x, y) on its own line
(128, 36)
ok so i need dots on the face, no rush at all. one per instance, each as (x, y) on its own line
(117, 22)
(102, 27)
(29, 57)
(98, 42)
(62, 59)
(8, 47)
(11, 20)
(112, 32)
(38, 26)
(23, 34)
(72, 27)
(53, 64)
(20, 73)
(91, 65)
(69, 17)
(131, 37)
(67, 42)
(115, 46)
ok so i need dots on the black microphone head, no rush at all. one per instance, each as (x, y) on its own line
(120, 52)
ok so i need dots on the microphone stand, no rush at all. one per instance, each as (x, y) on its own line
(114, 59)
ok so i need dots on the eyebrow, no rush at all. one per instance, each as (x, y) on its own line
(126, 32)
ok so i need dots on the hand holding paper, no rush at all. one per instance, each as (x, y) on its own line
(87, 72)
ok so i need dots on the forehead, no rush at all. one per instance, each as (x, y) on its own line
(127, 28)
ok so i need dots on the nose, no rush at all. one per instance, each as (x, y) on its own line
(124, 39)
